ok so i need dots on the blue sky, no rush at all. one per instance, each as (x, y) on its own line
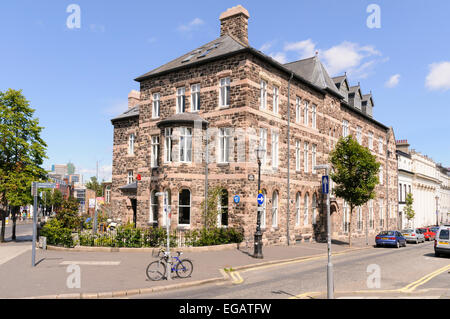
(78, 79)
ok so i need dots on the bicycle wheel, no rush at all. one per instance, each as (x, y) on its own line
(156, 270)
(184, 268)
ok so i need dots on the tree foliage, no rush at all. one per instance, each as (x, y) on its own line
(22, 152)
(94, 185)
(409, 211)
(355, 173)
(214, 195)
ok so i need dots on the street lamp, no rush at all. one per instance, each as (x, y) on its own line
(330, 276)
(260, 151)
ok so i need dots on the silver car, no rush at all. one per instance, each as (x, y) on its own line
(413, 235)
(442, 241)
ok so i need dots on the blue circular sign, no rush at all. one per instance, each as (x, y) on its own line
(260, 199)
(237, 199)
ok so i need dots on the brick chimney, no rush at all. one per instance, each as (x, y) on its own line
(234, 22)
(134, 97)
(403, 146)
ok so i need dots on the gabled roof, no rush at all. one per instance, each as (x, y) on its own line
(313, 71)
(355, 89)
(134, 111)
(367, 97)
(216, 48)
(339, 80)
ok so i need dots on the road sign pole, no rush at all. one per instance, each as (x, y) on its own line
(33, 247)
(330, 279)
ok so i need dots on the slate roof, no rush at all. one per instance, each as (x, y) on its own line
(216, 48)
(313, 71)
(132, 186)
(367, 97)
(134, 111)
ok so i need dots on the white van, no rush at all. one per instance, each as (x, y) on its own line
(442, 241)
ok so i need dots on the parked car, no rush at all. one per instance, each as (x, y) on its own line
(413, 235)
(427, 232)
(390, 238)
(442, 241)
(434, 229)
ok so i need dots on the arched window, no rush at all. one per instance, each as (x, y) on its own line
(222, 209)
(153, 207)
(314, 208)
(305, 211)
(167, 202)
(297, 209)
(345, 223)
(275, 209)
(184, 207)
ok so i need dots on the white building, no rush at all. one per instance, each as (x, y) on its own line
(429, 184)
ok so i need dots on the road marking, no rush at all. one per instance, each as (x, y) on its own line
(412, 286)
(306, 295)
(91, 263)
(11, 252)
(237, 279)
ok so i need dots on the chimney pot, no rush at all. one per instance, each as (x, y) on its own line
(134, 97)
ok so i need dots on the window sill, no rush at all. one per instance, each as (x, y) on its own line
(223, 164)
(183, 227)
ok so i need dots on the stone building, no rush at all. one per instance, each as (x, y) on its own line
(198, 119)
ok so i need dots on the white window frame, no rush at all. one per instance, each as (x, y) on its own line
(224, 145)
(220, 209)
(298, 109)
(131, 140)
(275, 148)
(371, 141)
(305, 157)
(359, 216)
(185, 145)
(275, 209)
(190, 207)
(381, 175)
(263, 144)
(181, 100)
(314, 209)
(167, 206)
(130, 177)
(314, 157)
(306, 210)
(298, 152)
(305, 115)
(359, 134)
(371, 220)
(381, 203)
(195, 97)
(380, 145)
(168, 151)
(263, 95)
(345, 221)
(276, 99)
(224, 92)
(156, 105)
(345, 128)
(153, 207)
(298, 199)
(264, 210)
(155, 151)
(314, 116)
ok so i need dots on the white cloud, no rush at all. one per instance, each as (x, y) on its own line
(348, 57)
(191, 25)
(104, 173)
(393, 81)
(305, 49)
(266, 46)
(439, 76)
(279, 56)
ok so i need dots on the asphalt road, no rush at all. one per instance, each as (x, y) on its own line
(355, 277)
(23, 232)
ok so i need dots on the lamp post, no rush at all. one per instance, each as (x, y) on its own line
(260, 151)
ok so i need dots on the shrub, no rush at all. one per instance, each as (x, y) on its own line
(214, 236)
(56, 234)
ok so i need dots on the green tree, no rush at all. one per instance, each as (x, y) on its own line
(409, 211)
(22, 152)
(68, 215)
(57, 200)
(94, 185)
(355, 173)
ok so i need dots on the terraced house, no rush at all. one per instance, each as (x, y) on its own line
(198, 119)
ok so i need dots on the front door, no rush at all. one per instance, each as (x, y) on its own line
(134, 208)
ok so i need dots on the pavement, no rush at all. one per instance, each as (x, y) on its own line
(115, 274)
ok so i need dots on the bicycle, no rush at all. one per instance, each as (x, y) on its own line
(157, 270)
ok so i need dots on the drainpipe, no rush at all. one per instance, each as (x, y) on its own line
(206, 175)
(387, 180)
(288, 157)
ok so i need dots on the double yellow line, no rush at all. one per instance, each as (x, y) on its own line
(412, 286)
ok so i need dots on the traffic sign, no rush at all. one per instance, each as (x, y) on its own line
(46, 185)
(260, 199)
(325, 184)
(237, 199)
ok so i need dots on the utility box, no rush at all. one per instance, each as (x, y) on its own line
(43, 242)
